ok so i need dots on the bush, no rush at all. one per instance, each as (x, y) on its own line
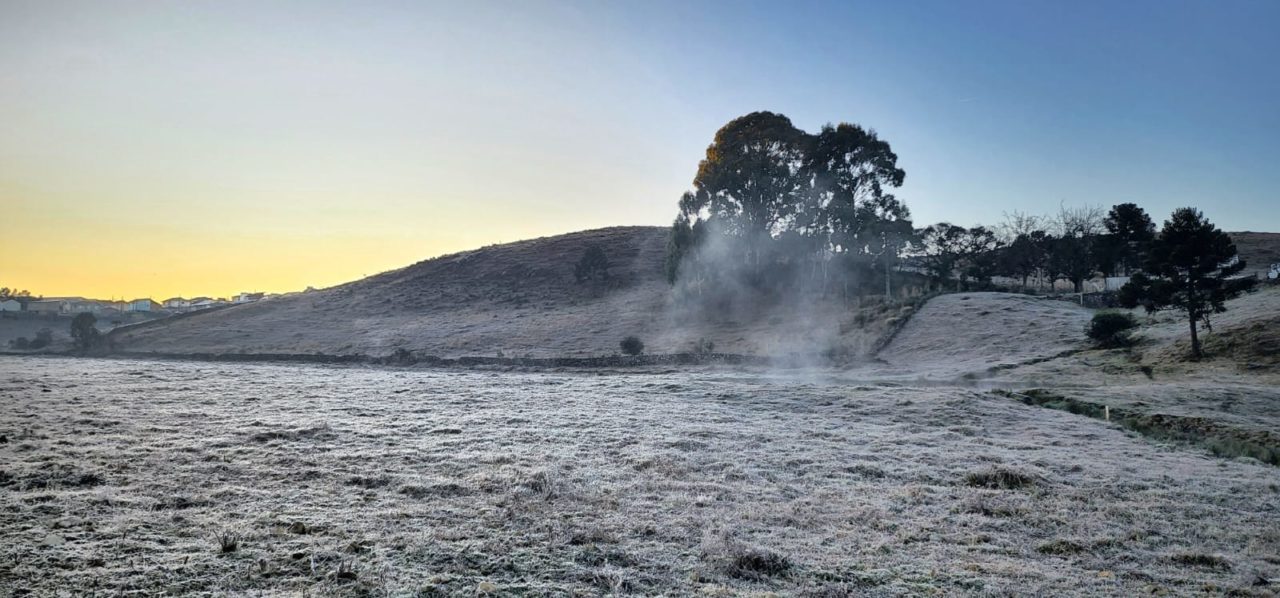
(44, 338)
(84, 333)
(1111, 329)
(632, 345)
(593, 264)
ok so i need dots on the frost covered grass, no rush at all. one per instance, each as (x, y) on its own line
(191, 478)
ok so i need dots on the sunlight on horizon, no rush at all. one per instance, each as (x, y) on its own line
(209, 148)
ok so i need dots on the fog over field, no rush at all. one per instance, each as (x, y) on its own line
(688, 299)
(120, 476)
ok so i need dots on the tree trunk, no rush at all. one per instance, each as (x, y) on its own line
(1195, 339)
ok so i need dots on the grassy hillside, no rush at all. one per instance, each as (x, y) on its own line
(520, 299)
(971, 332)
(1259, 250)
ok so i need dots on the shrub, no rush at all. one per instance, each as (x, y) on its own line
(1111, 329)
(44, 338)
(593, 264)
(84, 332)
(631, 345)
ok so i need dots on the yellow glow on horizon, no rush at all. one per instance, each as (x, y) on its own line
(124, 264)
(104, 249)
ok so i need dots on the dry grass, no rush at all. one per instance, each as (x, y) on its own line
(333, 481)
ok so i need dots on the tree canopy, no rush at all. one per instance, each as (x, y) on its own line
(1129, 233)
(1191, 266)
(770, 199)
(8, 293)
(84, 333)
(593, 264)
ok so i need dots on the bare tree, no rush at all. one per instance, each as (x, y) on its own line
(1017, 224)
(1078, 231)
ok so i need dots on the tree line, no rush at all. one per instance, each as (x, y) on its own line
(774, 208)
(1073, 245)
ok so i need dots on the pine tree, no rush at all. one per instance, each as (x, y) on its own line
(1191, 267)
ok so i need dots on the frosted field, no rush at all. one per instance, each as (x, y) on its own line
(118, 477)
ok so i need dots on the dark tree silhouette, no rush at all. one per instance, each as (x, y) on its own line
(1026, 255)
(1130, 230)
(8, 293)
(941, 247)
(83, 333)
(749, 180)
(1074, 252)
(1191, 266)
(593, 264)
(978, 254)
(631, 345)
(780, 203)
(887, 232)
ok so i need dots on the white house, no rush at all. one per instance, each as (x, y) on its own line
(45, 306)
(176, 303)
(10, 305)
(142, 305)
(248, 297)
(80, 305)
(206, 303)
(1114, 283)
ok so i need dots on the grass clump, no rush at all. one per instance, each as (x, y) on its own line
(228, 543)
(1207, 561)
(740, 561)
(1060, 547)
(1000, 478)
(753, 563)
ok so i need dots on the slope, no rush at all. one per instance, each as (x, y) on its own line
(517, 299)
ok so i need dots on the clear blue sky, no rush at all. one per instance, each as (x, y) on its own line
(998, 106)
(245, 145)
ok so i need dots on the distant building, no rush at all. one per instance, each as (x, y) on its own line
(205, 303)
(248, 297)
(177, 303)
(1114, 283)
(10, 305)
(80, 305)
(45, 306)
(143, 305)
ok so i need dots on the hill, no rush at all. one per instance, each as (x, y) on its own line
(1258, 250)
(518, 299)
(521, 299)
(971, 332)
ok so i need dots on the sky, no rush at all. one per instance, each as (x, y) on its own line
(211, 147)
